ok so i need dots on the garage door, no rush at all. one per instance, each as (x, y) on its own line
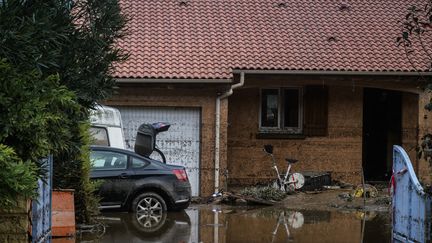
(180, 144)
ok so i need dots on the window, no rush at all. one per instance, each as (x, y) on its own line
(138, 163)
(281, 110)
(270, 108)
(107, 160)
(99, 136)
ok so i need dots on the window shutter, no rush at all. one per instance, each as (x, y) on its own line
(315, 110)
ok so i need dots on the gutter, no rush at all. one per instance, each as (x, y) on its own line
(171, 80)
(217, 135)
(317, 72)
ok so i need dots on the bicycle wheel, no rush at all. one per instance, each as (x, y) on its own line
(296, 180)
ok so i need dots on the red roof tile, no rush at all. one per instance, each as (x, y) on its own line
(206, 39)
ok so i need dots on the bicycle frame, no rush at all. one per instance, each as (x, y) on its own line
(287, 182)
(285, 178)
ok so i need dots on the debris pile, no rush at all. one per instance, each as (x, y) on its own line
(366, 190)
(255, 195)
(344, 185)
(263, 193)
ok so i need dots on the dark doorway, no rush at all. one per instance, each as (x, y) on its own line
(382, 125)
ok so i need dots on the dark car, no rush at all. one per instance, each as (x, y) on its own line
(137, 183)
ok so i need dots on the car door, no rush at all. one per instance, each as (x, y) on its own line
(111, 167)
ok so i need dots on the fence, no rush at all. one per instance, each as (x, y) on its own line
(41, 207)
(411, 205)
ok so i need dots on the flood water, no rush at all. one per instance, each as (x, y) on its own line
(234, 224)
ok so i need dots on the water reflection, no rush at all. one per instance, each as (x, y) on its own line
(233, 224)
(293, 219)
(129, 227)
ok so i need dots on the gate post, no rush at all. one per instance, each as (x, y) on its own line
(41, 207)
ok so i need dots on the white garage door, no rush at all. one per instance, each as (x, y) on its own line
(180, 144)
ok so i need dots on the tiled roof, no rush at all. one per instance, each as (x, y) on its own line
(207, 39)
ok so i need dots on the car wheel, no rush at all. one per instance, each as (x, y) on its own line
(149, 208)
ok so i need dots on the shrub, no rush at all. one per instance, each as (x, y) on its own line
(72, 170)
(37, 117)
(34, 112)
(17, 178)
(60, 56)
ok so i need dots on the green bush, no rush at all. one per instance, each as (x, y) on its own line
(72, 170)
(56, 61)
(35, 121)
(17, 178)
(34, 113)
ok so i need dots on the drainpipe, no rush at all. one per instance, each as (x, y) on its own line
(217, 145)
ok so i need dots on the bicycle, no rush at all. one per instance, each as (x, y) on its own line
(287, 182)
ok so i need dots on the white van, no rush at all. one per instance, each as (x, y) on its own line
(106, 127)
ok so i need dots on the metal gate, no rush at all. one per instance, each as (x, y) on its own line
(41, 207)
(180, 144)
(411, 205)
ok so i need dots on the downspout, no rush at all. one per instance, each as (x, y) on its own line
(217, 145)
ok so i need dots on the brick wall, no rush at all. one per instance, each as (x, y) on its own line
(410, 125)
(240, 150)
(14, 223)
(340, 151)
(425, 126)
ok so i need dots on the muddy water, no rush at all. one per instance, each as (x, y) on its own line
(233, 224)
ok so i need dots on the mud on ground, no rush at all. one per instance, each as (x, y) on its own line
(327, 200)
(338, 199)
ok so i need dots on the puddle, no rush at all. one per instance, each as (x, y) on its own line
(233, 224)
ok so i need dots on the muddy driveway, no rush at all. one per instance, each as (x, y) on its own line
(218, 223)
(342, 199)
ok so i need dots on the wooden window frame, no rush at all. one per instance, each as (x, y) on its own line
(281, 105)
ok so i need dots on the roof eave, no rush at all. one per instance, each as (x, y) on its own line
(323, 72)
(172, 80)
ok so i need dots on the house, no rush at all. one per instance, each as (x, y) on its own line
(322, 81)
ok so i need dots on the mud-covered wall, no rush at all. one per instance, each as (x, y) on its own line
(425, 127)
(339, 152)
(241, 151)
(410, 126)
(185, 96)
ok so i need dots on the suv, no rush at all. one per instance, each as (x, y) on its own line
(137, 183)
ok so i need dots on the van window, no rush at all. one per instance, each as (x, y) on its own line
(99, 136)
